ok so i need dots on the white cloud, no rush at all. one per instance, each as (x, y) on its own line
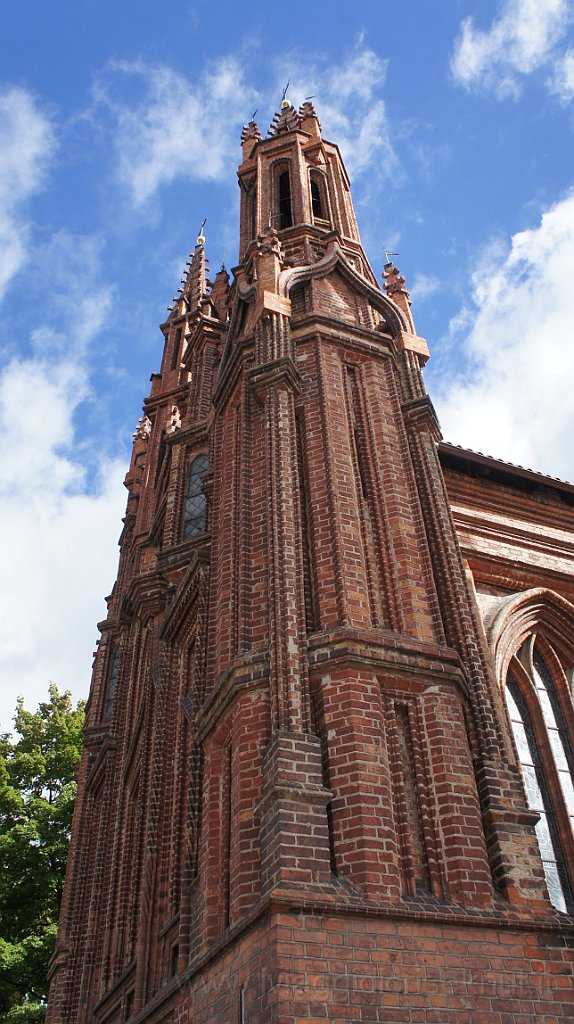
(521, 39)
(514, 400)
(59, 556)
(562, 80)
(350, 106)
(170, 127)
(27, 143)
(175, 127)
(422, 286)
(59, 526)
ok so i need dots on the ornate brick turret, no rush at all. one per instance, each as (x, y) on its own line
(293, 710)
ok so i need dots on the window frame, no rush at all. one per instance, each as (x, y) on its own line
(280, 167)
(316, 176)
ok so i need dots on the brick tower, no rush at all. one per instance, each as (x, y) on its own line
(299, 798)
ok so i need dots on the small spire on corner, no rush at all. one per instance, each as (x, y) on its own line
(250, 130)
(308, 117)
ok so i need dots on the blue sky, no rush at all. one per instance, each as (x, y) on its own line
(119, 132)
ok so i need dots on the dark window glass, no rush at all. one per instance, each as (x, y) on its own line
(173, 960)
(285, 218)
(111, 684)
(194, 512)
(538, 797)
(316, 199)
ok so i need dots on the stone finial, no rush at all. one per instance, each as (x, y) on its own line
(195, 281)
(268, 242)
(394, 282)
(286, 120)
(395, 286)
(143, 429)
(250, 132)
(173, 420)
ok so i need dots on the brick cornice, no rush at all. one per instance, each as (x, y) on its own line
(419, 415)
(279, 373)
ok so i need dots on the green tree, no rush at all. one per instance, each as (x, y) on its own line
(37, 792)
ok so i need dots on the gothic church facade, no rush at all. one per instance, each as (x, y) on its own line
(328, 764)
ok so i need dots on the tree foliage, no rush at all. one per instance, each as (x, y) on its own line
(37, 792)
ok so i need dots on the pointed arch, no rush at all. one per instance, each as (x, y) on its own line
(335, 258)
(539, 610)
(532, 640)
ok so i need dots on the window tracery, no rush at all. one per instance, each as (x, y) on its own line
(195, 506)
(535, 708)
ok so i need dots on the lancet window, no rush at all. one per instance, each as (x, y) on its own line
(319, 204)
(537, 693)
(195, 505)
(283, 196)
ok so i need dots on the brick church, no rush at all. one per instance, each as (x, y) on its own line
(329, 751)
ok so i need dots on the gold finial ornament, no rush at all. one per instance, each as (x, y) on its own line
(284, 101)
(201, 236)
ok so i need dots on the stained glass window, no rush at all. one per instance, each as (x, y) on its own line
(195, 507)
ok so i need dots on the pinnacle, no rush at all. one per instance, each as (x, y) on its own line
(307, 109)
(285, 120)
(250, 131)
(194, 280)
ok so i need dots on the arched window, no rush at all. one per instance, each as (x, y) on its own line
(319, 204)
(195, 508)
(546, 760)
(111, 684)
(284, 199)
(316, 204)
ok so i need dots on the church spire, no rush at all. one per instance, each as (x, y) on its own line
(285, 120)
(195, 279)
(294, 180)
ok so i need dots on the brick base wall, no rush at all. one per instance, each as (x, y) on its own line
(305, 968)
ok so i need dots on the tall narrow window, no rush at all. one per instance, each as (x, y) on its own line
(111, 684)
(284, 190)
(555, 805)
(195, 508)
(557, 732)
(316, 204)
(365, 497)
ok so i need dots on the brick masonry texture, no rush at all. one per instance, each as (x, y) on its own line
(299, 797)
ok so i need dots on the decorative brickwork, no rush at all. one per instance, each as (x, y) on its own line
(300, 797)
